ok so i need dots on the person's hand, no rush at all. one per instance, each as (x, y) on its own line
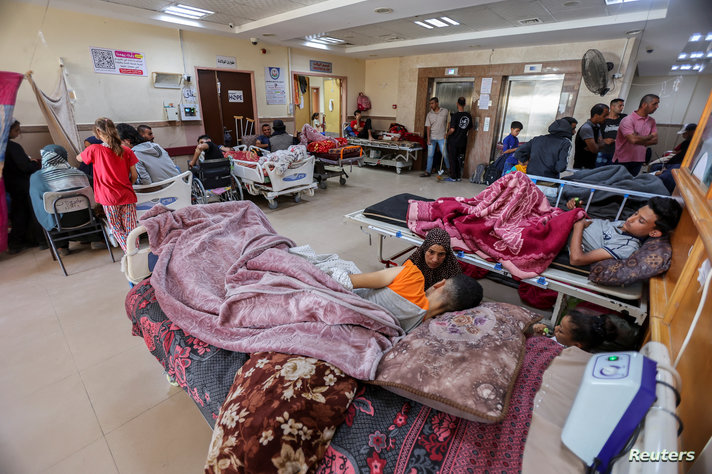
(608, 141)
(573, 203)
(541, 329)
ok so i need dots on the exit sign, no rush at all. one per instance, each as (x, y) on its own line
(451, 71)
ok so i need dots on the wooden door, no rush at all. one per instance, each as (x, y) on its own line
(237, 99)
(223, 95)
(302, 111)
(332, 105)
(314, 100)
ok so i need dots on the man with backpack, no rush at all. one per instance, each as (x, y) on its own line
(547, 154)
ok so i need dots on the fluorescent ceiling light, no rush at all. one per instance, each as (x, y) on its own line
(449, 20)
(436, 22)
(708, 37)
(675, 67)
(682, 56)
(312, 44)
(324, 39)
(187, 11)
(424, 25)
(696, 37)
(709, 54)
(696, 54)
(686, 67)
(613, 2)
(696, 67)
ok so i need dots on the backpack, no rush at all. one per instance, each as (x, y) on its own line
(494, 170)
(479, 174)
(363, 102)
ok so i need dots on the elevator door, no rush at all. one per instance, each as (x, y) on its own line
(532, 100)
(449, 90)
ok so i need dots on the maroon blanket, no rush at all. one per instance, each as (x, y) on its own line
(224, 276)
(511, 221)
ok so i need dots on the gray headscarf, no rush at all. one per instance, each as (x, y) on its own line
(57, 172)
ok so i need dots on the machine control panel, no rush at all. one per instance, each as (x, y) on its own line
(613, 366)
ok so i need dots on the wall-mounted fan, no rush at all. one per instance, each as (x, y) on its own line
(594, 70)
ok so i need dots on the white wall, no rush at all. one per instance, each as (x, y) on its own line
(682, 98)
(29, 39)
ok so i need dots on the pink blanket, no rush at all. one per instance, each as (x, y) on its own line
(224, 276)
(511, 221)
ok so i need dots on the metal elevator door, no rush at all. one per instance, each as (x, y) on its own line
(448, 90)
(532, 100)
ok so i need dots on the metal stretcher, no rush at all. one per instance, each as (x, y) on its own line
(400, 154)
(631, 300)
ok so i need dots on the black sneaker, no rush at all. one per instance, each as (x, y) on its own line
(425, 175)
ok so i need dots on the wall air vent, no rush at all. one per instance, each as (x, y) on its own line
(530, 21)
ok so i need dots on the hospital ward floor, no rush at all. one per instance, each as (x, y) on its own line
(80, 394)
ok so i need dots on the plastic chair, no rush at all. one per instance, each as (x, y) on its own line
(74, 217)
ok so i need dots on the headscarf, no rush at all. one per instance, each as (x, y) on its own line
(447, 269)
(57, 172)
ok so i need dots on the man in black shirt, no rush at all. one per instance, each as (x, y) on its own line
(588, 138)
(460, 125)
(609, 130)
(16, 174)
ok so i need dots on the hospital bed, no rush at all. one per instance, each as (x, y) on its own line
(400, 154)
(631, 299)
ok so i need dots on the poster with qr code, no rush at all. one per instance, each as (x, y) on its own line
(114, 61)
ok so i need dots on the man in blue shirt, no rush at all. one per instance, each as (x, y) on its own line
(263, 140)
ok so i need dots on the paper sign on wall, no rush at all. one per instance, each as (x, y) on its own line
(485, 128)
(235, 96)
(226, 61)
(275, 86)
(484, 102)
(486, 86)
(113, 61)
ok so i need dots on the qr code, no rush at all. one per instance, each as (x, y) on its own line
(103, 59)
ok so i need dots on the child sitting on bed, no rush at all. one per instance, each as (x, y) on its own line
(400, 290)
(600, 239)
(584, 331)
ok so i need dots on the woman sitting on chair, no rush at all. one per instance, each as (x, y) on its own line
(56, 175)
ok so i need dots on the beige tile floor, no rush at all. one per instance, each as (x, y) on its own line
(79, 394)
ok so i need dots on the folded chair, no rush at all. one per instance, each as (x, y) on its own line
(73, 217)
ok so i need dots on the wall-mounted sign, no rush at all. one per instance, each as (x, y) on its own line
(113, 61)
(532, 68)
(451, 71)
(226, 61)
(486, 86)
(235, 96)
(275, 86)
(485, 128)
(319, 66)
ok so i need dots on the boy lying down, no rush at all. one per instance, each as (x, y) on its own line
(599, 239)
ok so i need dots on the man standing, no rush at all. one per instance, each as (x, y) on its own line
(460, 125)
(435, 126)
(609, 130)
(636, 132)
(546, 155)
(588, 138)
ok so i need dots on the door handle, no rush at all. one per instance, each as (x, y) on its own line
(218, 87)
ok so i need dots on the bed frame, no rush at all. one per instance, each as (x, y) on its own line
(631, 300)
(681, 304)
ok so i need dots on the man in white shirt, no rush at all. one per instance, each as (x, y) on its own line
(436, 125)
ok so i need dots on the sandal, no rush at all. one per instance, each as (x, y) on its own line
(425, 175)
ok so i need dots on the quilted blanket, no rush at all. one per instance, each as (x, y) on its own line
(224, 276)
(511, 221)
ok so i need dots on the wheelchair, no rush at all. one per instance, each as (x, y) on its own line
(215, 179)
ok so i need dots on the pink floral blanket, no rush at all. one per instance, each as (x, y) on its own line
(224, 276)
(511, 221)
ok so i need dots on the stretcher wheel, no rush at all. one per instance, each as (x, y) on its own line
(342, 181)
(272, 203)
(311, 191)
(297, 198)
(398, 170)
(322, 184)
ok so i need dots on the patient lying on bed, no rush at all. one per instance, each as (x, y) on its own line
(599, 239)
(401, 291)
